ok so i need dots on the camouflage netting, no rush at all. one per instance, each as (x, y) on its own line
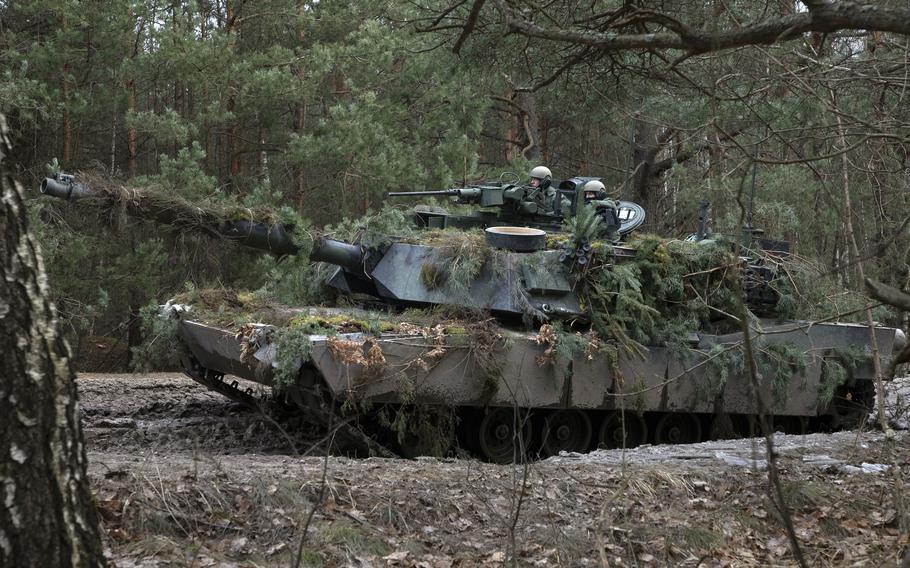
(667, 289)
(166, 208)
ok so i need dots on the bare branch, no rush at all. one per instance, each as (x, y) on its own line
(888, 294)
(822, 17)
(468, 25)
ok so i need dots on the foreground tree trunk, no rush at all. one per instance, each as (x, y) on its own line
(47, 516)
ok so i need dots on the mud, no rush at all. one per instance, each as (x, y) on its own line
(185, 477)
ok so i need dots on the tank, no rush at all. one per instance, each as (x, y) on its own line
(541, 347)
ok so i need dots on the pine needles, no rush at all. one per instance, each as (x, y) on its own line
(670, 289)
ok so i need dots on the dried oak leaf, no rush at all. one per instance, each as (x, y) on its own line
(249, 343)
(346, 352)
(439, 342)
(375, 358)
(546, 336)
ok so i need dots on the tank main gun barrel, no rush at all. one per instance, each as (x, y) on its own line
(169, 210)
(273, 238)
(147, 204)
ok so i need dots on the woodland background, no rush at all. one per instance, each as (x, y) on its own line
(322, 107)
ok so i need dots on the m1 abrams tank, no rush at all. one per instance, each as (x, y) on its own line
(554, 354)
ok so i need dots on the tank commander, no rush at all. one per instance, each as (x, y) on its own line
(542, 179)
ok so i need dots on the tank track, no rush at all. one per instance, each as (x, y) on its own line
(505, 434)
(343, 433)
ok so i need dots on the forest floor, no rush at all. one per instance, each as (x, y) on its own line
(184, 477)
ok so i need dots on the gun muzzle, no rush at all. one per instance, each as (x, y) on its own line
(66, 188)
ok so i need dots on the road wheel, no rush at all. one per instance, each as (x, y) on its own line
(566, 431)
(678, 428)
(611, 431)
(498, 435)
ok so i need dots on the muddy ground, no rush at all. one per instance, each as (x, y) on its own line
(184, 477)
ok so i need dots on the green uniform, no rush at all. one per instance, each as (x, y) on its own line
(607, 209)
(551, 201)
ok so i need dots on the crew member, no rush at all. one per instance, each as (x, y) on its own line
(542, 180)
(595, 194)
(541, 177)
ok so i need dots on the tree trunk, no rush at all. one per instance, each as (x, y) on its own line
(132, 137)
(644, 152)
(233, 146)
(47, 515)
(300, 109)
(67, 122)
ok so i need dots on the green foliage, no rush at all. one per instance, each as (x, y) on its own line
(298, 281)
(167, 127)
(295, 280)
(374, 229)
(183, 174)
(294, 348)
(464, 256)
(622, 287)
(52, 168)
(852, 356)
(457, 260)
(809, 291)
(834, 374)
(486, 346)
(79, 301)
(722, 360)
(837, 370)
(668, 290)
(433, 428)
(569, 344)
(583, 226)
(403, 120)
(159, 348)
(779, 362)
(357, 538)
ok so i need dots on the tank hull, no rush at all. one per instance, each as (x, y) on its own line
(657, 388)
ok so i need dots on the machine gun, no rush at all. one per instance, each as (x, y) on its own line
(519, 205)
(515, 200)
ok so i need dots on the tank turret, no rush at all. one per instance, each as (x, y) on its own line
(520, 205)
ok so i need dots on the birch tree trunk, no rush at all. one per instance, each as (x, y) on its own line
(47, 515)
